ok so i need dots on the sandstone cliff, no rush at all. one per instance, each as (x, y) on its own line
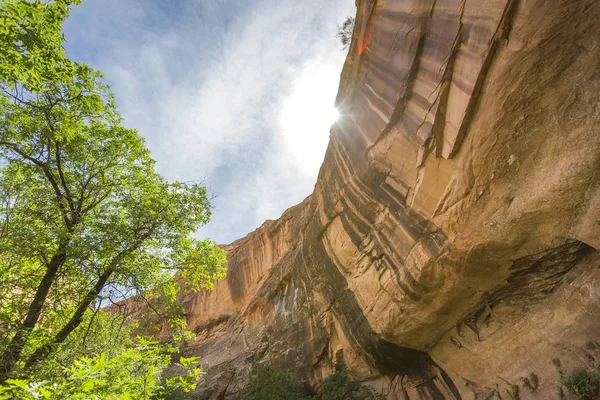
(450, 245)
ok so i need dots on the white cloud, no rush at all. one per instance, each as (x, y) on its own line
(308, 112)
(231, 92)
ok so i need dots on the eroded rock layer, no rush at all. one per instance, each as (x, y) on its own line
(450, 246)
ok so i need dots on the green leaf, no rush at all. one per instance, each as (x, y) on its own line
(83, 208)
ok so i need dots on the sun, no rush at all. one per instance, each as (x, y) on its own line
(308, 113)
(335, 115)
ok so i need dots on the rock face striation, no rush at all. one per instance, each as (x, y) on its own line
(450, 246)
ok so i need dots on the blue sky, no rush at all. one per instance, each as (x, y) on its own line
(237, 94)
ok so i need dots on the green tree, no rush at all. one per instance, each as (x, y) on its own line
(269, 383)
(84, 216)
(338, 386)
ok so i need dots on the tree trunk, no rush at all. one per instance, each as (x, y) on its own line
(13, 352)
(73, 323)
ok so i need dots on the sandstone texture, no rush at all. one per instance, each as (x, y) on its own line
(450, 246)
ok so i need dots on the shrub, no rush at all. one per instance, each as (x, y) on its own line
(556, 362)
(532, 382)
(338, 386)
(583, 383)
(514, 392)
(270, 383)
(344, 32)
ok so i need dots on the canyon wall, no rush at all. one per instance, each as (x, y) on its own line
(450, 246)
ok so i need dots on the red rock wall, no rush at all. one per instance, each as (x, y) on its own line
(450, 243)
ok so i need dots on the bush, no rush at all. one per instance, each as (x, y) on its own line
(583, 383)
(344, 32)
(270, 383)
(338, 386)
(532, 383)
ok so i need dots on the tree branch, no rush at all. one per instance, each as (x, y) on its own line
(73, 323)
(48, 174)
(15, 348)
(74, 211)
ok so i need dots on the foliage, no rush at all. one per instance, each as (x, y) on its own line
(101, 332)
(532, 382)
(338, 386)
(85, 220)
(212, 322)
(583, 383)
(557, 364)
(269, 383)
(134, 373)
(31, 38)
(514, 392)
(493, 393)
(344, 32)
